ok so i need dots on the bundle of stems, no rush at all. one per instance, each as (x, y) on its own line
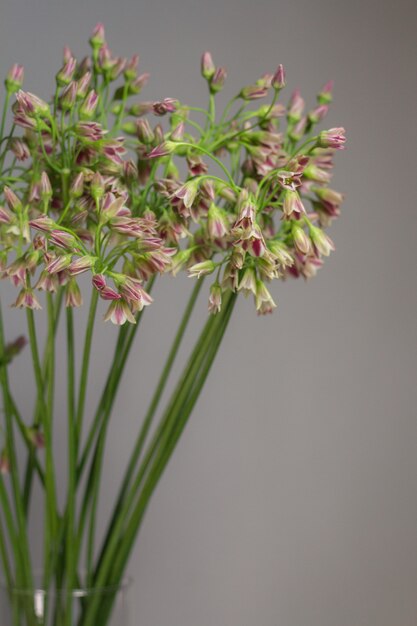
(92, 187)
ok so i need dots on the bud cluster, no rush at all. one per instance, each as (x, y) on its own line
(97, 186)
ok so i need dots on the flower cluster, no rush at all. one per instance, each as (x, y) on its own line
(92, 183)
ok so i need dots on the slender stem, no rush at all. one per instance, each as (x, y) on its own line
(86, 362)
(173, 424)
(50, 495)
(147, 422)
(22, 550)
(72, 464)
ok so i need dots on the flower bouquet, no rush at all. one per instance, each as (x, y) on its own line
(98, 182)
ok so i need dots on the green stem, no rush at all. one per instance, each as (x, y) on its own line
(147, 422)
(72, 465)
(50, 495)
(172, 426)
(86, 362)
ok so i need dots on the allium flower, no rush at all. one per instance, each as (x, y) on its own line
(278, 79)
(19, 148)
(215, 298)
(27, 299)
(292, 207)
(207, 66)
(66, 73)
(31, 105)
(218, 79)
(73, 296)
(106, 292)
(301, 241)
(325, 96)
(201, 269)
(333, 138)
(14, 78)
(168, 105)
(119, 313)
(263, 299)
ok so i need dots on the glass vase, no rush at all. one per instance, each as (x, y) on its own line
(78, 607)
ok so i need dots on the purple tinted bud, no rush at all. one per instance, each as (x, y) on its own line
(144, 131)
(218, 80)
(137, 85)
(12, 199)
(326, 94)
(83, 84)
(317, 114)
(14, 78)
(278, 80)
(207, 66)
(88, 107)
(141, 108)
(67, 54)
(253, 92)
(296, 107)
(45, 187)
(77, 186)
(19, 148)
(168, 105)
(98, 36)
(333, 138)
(65, 75)
(131, 67)
(68, 97)
(178, 132)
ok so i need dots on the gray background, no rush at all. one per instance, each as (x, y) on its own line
(292, 498)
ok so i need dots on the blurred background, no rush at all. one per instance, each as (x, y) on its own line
(292, 497)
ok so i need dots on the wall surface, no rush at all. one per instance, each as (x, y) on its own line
(292, 498)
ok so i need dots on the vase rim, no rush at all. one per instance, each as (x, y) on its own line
(79, 592)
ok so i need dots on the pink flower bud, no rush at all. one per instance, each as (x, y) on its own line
(317, 114)
(43, 223)
(45, 187)
(218, 80)
(81, 264)
(98, 36)
(253, 92)
(66, 73)
(77, 186)
(168, 105)
(178, 132)
(139, 83)
(12, 199)
(59, 263)
(89, 106)
(91, 131)
(165, 148)
(83, 84)
(14, 78)
(19, 148)
(333, 138)
(326, 96)
(131, 67)
(31, 105)
(207, 66)
(296, 107)
(144, 131)
(63, 239)
(278, 80)
(68, 97)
